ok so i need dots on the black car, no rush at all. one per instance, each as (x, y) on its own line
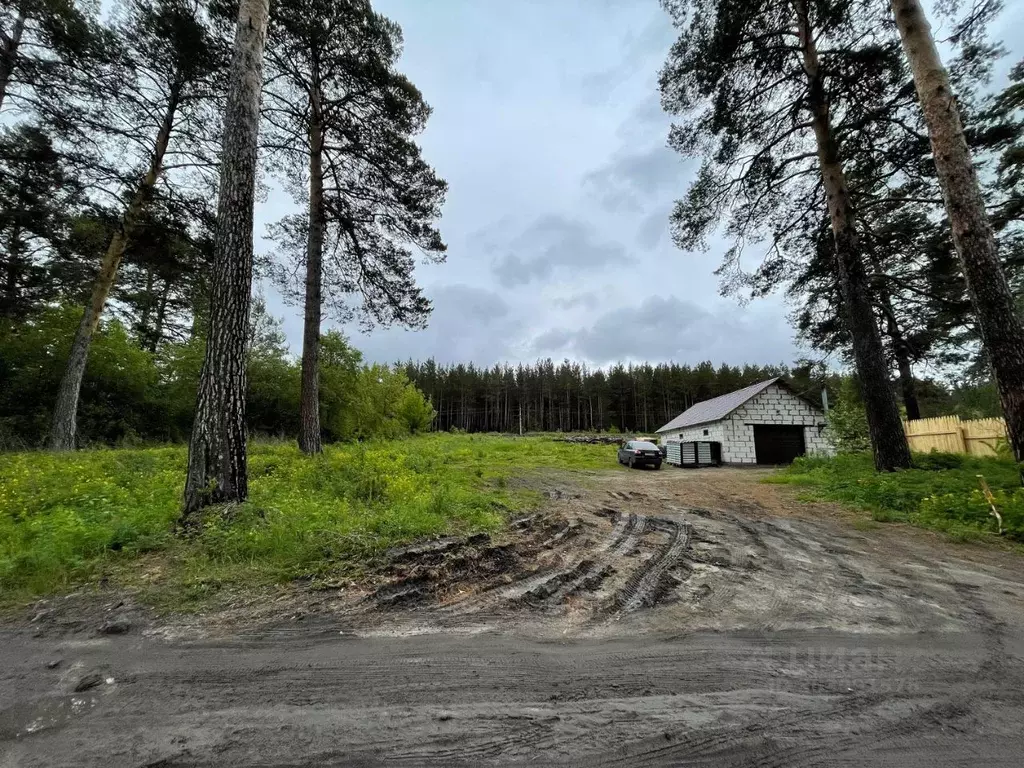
(637, 453)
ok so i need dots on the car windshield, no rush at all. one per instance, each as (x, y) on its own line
(645, 446)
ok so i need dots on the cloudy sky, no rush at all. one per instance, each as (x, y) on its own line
(548, 129)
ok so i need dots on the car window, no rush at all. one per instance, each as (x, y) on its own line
(645, 446)
(629, 444)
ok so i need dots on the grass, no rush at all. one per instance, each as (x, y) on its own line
(942, 492)
(73, 519)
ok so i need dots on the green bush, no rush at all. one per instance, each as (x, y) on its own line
(131, 396)
(848, 421)
(941, 492)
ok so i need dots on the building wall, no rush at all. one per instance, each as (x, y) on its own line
(713, 432)
(774, 405)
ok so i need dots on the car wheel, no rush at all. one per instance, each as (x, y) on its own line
(631, 463)
(658, 465)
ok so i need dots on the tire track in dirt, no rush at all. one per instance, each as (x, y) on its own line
(781, 741)
(647, 584)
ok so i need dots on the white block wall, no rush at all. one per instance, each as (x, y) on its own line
(736, 433)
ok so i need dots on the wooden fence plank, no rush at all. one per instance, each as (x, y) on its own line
(979, 437)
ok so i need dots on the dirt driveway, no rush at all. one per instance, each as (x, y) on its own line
(645, 618)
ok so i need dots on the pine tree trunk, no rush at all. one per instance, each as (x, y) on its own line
(65, 409)
(309, 403)
(161, 316)
(907, 386)
(9, 54)
(14, 262)
(217, 460)
(900, 347)
(888, 439)
(1002, 333)
(142, 328)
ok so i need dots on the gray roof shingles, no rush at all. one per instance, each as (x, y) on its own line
(717, 407)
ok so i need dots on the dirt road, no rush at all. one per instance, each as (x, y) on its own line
(647, 618)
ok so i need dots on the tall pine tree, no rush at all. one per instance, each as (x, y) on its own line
(1002, 332)
(341, 123)
(155, 101)
(760, 101)
(217, 455)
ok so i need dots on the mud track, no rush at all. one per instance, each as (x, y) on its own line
(642, 618)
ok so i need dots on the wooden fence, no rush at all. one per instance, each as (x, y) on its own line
(950, 434)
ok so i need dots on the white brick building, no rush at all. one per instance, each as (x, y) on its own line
(766, 423)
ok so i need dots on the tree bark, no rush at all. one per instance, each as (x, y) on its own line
(309, 402)
(10, 53)
(142, 327)
(901, 349)
(888, 439)
(1002, 333)
(908, 388)
(217, 460)
(14, 265)
(161, 316)
(65, 409)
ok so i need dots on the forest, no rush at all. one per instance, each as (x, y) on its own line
(637, 398)
(872, 175)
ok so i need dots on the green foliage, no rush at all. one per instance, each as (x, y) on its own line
(385, 404)
(130, 395)
(72, 518)
(120, 396)
(942, 491)
(936, 460)
(848, 421)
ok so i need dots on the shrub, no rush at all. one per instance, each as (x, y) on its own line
(941, 492)
(848, 422)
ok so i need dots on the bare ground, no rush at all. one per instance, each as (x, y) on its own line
(643, 618)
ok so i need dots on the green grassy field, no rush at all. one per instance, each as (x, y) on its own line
(942, 493)
(71, 519)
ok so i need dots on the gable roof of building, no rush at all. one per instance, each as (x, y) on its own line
(717, 408)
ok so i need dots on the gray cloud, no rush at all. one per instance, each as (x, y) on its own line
(630, 181)
(653, 229)
(547, 126)
(641, 49)
(668, 328)
(588, 300)
(550, 243)
(468, 324)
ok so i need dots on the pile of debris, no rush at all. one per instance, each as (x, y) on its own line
(591, 439)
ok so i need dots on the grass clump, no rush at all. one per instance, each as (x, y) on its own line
(941, 492)
(69, 519)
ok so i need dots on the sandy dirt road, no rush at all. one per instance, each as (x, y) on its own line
(647, 618)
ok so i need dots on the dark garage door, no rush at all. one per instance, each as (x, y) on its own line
(778, 444)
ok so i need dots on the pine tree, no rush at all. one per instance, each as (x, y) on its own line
(1002, 332)
(42, 42)
(167, 78)
(764, 106)
(217, 458)
(342, 122)
(37, 200)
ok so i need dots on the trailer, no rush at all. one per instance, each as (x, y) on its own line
(701, 453)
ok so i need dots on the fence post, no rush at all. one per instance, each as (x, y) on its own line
(961, 438)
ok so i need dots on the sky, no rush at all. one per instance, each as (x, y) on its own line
(548, 128)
